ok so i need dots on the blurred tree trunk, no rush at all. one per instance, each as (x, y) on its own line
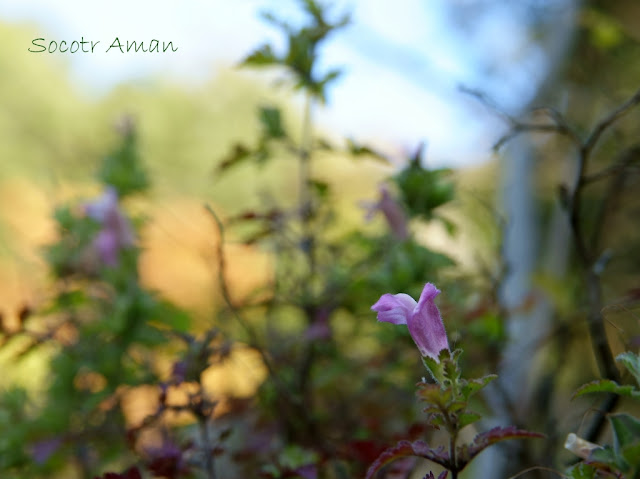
(521, 377)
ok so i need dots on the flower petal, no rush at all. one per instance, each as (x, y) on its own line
(396, 309)
(106, 244)
(103, 206)
(425, 324)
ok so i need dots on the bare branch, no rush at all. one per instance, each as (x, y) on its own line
(609, 120)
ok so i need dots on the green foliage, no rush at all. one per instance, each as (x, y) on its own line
(447, 400)
(582, 471)
(607, 386)
(624, 455)
(605, 32)
(105, 330)
(123, 169)
(631, 362)
(446, 403)
(424, 190)
(302, 50)
(271, 121)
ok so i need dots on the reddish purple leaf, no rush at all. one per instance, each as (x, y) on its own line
(490, 437)
(131, 473)
(405, 449)
(442, 475)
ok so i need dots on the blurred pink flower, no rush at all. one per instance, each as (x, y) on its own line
(422, 318)
(116, 233)
(392, 211)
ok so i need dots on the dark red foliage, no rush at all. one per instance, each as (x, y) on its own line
(443, 475)
(490, 437)
(407, 449)
(167, 461)
(365, 451)
(131, 473)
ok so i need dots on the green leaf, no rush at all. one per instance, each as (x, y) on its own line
(582, 471)
(321, 188)
(604, 456)
(239, 154)
(357, 150)
(631, 454)
(271, 121)
(436, 368)
(631, 361)
(433, 393)
(424, 190)
(467, 418)
(263, 56)
(123, 168)
(606, 386)
(626, 431)
(472, 386)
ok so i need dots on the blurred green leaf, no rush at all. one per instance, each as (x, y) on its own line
(263, 56)
(123, 169)
(606, 386)
(271, 121)
(582, 471)
(631, 361)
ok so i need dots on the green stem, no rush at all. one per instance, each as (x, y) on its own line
(452, 455)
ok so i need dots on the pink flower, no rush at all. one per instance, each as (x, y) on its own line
(116, 232)
(422, 318)
(392, 212)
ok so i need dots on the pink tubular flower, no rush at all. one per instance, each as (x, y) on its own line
(116, 232)
(392, 211)
(422, 318)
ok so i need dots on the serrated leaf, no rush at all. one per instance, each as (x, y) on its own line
(407, 449)
(432, 393)
(467, 418)
(631, 361)
(435, 368)
(435, 420)
(472, 386)
(490, 437)
(454, 407)
(452, 370)
(606, 386)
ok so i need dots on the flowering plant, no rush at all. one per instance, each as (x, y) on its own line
(447, 398)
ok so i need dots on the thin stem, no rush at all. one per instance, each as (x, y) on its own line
(288, 400)
(224, 288)
(209, 465)
(305, 200)
(452, 456)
